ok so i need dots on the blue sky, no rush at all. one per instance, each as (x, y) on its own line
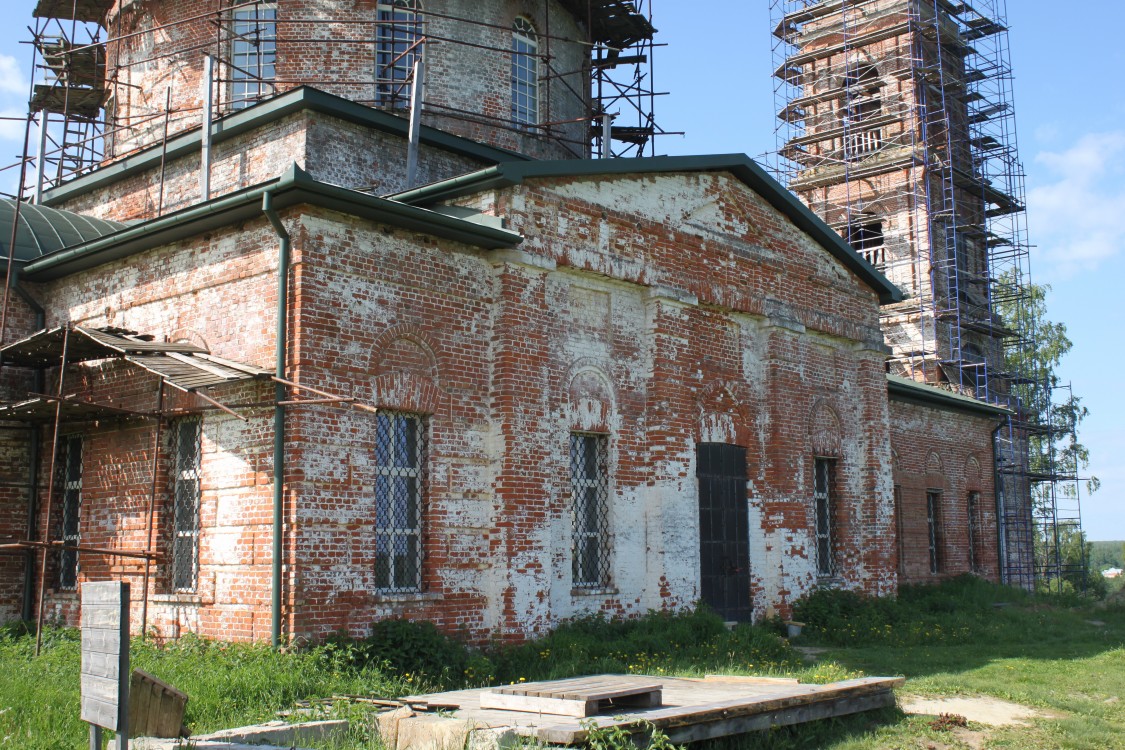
(1070, 107)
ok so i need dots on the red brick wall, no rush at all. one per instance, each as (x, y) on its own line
(329, 44)
(949, 452)
(660, 311)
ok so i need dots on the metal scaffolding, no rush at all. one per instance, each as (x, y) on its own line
(896, 126)
(84, 70)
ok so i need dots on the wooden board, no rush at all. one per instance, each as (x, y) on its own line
(837, 696)
(578, 697)
(105, 655)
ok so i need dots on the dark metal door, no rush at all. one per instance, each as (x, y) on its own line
(724, 533)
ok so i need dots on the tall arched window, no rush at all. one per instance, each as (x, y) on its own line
(394, 52)
(525, 73)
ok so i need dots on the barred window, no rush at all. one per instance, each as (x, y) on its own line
(400, 487)
(70, 482)
(824, 508)
(933, 527)
(589, 483)
(397, 34)
(253, 53)
(525, 73)
(973, 510)
(186, 450)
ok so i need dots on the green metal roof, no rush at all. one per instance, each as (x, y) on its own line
(43, 230)
(275, 108)
(295, 187)
(740, 166)
(905, 389)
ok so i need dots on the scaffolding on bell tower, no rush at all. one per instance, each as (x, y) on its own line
(896, 126)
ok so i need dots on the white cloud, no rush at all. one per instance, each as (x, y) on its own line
(12, 123)
(1076, 206)
(12, 79)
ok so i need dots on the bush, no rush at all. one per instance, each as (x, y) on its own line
(407, 647)
(958, 610)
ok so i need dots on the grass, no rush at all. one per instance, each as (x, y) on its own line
(966, 637)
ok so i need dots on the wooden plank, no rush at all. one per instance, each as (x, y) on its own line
(104, 593)
(539, 705)
(789, 697)
(101, 641)
(98, 712)
(785, 717)
(101, 618)
(751, 680)
(101, 665)
(140, 700)
(101, 688)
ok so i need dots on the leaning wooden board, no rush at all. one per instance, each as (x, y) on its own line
(578, 697)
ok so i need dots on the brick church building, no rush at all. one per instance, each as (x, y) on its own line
(305, 366)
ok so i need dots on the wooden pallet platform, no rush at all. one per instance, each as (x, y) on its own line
(692, 709)
(579, 696)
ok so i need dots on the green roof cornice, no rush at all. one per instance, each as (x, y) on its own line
(295, 187)
(905, 389)
(304, 98)
(740, 166)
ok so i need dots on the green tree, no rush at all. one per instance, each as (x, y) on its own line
(1034, 359)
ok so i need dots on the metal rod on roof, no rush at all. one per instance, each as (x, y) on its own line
(208, 399)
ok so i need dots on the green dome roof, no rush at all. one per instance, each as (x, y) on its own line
(44, 230)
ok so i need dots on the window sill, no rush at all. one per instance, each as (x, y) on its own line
(598, 591)
(406, 596)
(195, 599)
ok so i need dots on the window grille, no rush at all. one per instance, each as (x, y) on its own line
(186, 452)
(398, 32)
(589, 483)
(253, 54)
(70, 482)
(400, 486)
(825, 511)
(933, 522)
(867, 240)
(973, 510)
(525, 73)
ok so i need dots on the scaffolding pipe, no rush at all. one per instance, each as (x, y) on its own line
(205, 139)
(279, 412)
(417, 92)
(41, 162)
(152, 505)
(50, 493)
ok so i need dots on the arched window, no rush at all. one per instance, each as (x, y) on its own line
(398, 32)
(525, 73)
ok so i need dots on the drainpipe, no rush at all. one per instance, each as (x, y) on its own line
(998, 493)
(28, 609)
(283, 247)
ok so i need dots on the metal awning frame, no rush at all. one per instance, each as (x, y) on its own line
(184, 367)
